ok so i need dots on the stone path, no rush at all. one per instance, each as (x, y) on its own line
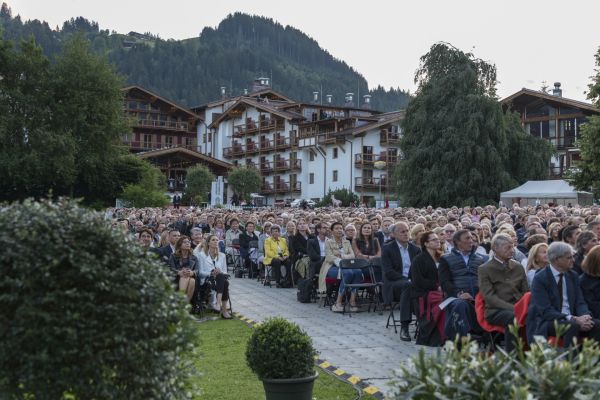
(360, 344)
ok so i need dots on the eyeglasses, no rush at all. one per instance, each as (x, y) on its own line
(434, 240)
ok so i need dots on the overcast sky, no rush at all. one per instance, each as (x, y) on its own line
(530, 41)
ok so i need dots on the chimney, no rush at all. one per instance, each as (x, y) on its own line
(316, 97)
(260, 84)
(557, 91)
(223, 92)
(349, 100)
(367, 101)
(329, 98)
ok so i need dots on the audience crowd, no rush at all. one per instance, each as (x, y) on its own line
(459, 271)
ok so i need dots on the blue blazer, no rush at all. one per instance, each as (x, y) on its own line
(544, 306)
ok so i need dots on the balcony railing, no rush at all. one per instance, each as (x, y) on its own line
(169, 125)
(140, 145)
(266, 167)
(282, 143)
(287, 165)
(267, 145)
(250, 127)
(361, 182)
(266, 188)
(238, 149)
(371, 160)
(388, 138)
(284, 187)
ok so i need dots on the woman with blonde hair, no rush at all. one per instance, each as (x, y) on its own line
(554, 232)
(213, 260)
(538, 259)
(415, 232)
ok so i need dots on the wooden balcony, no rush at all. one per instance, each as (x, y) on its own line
(240, 150)
(373, 184)
(284, 143)
(387, 138)
(252, 127)
(366, 160)
(140, 145)
(267, 145)
(282, 165)
(266, 167)
(266, 188)
(330, 138)
(284, 187)
(168, 125)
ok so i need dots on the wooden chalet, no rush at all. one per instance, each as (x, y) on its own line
(553, 118)
(165, 133)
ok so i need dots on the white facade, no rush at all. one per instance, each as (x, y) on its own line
(245, 131)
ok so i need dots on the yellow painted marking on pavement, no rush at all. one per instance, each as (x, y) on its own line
(354, 379)
(324, 365)
(339, 372)
(371, 390)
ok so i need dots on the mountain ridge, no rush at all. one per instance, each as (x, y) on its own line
(234, 53)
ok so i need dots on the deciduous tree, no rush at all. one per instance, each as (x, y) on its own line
(244, 181)
(457, 142)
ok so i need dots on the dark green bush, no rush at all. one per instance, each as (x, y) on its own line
(279, 349)
(85, 313)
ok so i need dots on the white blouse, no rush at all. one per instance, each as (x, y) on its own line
(207, 263)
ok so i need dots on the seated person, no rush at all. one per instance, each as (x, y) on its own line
(590, 281)
(502, 282)
(299, 245)
(458, 272)
(249, 246)
(396, 260)
(277, 256)
(214, 261)
(337, 249)
(426, 287)
(366, 246)
(233, 233)
(184, 266)
(556, 297)
(315, 248)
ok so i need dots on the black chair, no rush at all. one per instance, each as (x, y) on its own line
(356, 263)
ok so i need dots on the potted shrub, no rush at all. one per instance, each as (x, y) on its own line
(283, 357)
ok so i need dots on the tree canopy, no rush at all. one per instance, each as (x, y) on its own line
(244, 181)
(198, 180)
(61, 124)
(459, 147)
(586, 175)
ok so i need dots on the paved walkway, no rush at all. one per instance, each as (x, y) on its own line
(360, 344)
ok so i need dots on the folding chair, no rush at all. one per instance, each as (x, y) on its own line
(494, 332)
(234, 259)
(357, 263)
(252, 258)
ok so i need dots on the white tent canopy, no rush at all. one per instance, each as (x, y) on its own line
(539, 192)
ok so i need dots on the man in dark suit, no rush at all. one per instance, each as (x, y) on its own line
(166, 251)
(502, 282)
(396, 259)
(315, 248)
(458, 272)
(557, 297)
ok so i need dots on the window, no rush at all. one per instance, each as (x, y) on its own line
(335, 152)
(169, 141)
(189, 142)
(311, 155)
(147, 141)
(311, 178)
(335, 175)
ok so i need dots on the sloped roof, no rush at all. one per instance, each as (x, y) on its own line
(165, 100)
(260, 106)
(182, 150)
(383, 119)
(556, 189)
(524, 93)
(257, 93)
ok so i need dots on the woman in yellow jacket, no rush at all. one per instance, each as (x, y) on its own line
(277, 256)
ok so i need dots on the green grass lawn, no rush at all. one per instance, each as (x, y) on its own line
(226, 376)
